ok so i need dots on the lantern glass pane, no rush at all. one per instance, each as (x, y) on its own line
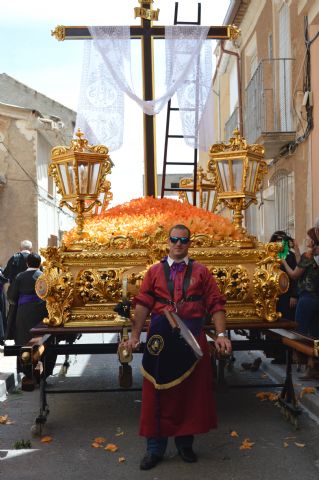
(94, 174)
(71, 178)
(223, 167)
(64, 176)
(237, 175)
(189, 195)
(210, 200)
(83, 177)
(252, 176)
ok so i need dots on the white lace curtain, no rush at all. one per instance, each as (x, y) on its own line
(107, 76)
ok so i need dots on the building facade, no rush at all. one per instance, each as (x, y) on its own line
(30, 125)
(266, 84)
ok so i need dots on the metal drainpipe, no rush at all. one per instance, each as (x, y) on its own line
(240, 101)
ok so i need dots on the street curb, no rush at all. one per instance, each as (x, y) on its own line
(278, 374)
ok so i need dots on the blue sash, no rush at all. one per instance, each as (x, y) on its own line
(28, 298)
(167, 358)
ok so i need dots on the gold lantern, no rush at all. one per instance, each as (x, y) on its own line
(206, 191)
(79, 172)
(238, 170)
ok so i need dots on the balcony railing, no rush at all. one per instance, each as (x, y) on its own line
(268, 99)
(231, 124)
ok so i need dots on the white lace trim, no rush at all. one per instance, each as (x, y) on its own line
(107, 76)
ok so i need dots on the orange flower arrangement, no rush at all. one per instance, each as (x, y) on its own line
(146, 215)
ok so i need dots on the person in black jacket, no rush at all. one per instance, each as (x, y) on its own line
(30, 311)
(3, 280)
(16, 264)
(30, 308)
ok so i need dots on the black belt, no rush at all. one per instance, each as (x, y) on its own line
(167, 301)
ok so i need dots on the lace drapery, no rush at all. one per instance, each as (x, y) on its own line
(189, 61)
(107, 75)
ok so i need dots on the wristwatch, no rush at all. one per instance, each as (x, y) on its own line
(222, 334)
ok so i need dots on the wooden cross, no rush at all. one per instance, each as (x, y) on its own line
(147, 32)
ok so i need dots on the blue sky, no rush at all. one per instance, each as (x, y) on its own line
(32, 56)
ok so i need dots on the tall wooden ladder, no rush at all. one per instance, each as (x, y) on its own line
(168, 135)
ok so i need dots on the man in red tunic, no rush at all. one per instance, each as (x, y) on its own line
(181, 403)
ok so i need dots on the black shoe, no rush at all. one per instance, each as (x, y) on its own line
(187, 454)
(150, 460)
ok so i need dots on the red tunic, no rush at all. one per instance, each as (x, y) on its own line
(188, 408)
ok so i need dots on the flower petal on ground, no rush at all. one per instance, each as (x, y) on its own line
(246, 444)
(99, 440)
(111, 447)
(96, 445)
(46, 439)
(271, 396)
(307, 390)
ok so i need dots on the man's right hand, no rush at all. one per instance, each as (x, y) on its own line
(132, 344)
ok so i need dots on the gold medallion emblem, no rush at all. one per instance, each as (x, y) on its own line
(155, 344)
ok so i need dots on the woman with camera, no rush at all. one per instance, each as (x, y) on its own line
(287, 301)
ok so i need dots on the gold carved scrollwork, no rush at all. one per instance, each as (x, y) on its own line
(52, 257)
(81, 145)
(234, 32)
(59, 33)
(232, 282)
(237, 143)
(57, 288)
(53, 172)
(99, 286)
(136, 279)
(269, 282)
(147, 14)
(156, 253)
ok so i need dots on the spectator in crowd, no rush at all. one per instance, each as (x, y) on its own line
(3, 280)
(307, 274)
(287, 301)
(16, 264)
(30, 308)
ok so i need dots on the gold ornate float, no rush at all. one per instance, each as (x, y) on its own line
(105, 258)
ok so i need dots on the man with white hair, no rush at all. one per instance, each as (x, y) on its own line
(16, 264)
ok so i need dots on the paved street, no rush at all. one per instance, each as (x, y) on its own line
(76, 419)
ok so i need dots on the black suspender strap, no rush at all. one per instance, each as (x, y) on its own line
(170, 286)
(187, 278)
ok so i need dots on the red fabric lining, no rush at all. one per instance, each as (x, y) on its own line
(187, 409)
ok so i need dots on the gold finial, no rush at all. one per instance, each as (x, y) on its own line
(79, 144)
(233, 32)
(59, 33)
(146, 13)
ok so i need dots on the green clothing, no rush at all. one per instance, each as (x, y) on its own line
(309, 281)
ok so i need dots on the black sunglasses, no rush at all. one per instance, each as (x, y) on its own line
(184, 240)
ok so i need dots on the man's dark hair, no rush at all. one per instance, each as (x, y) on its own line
(33, 260)
(180, 227)
(279, 235)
